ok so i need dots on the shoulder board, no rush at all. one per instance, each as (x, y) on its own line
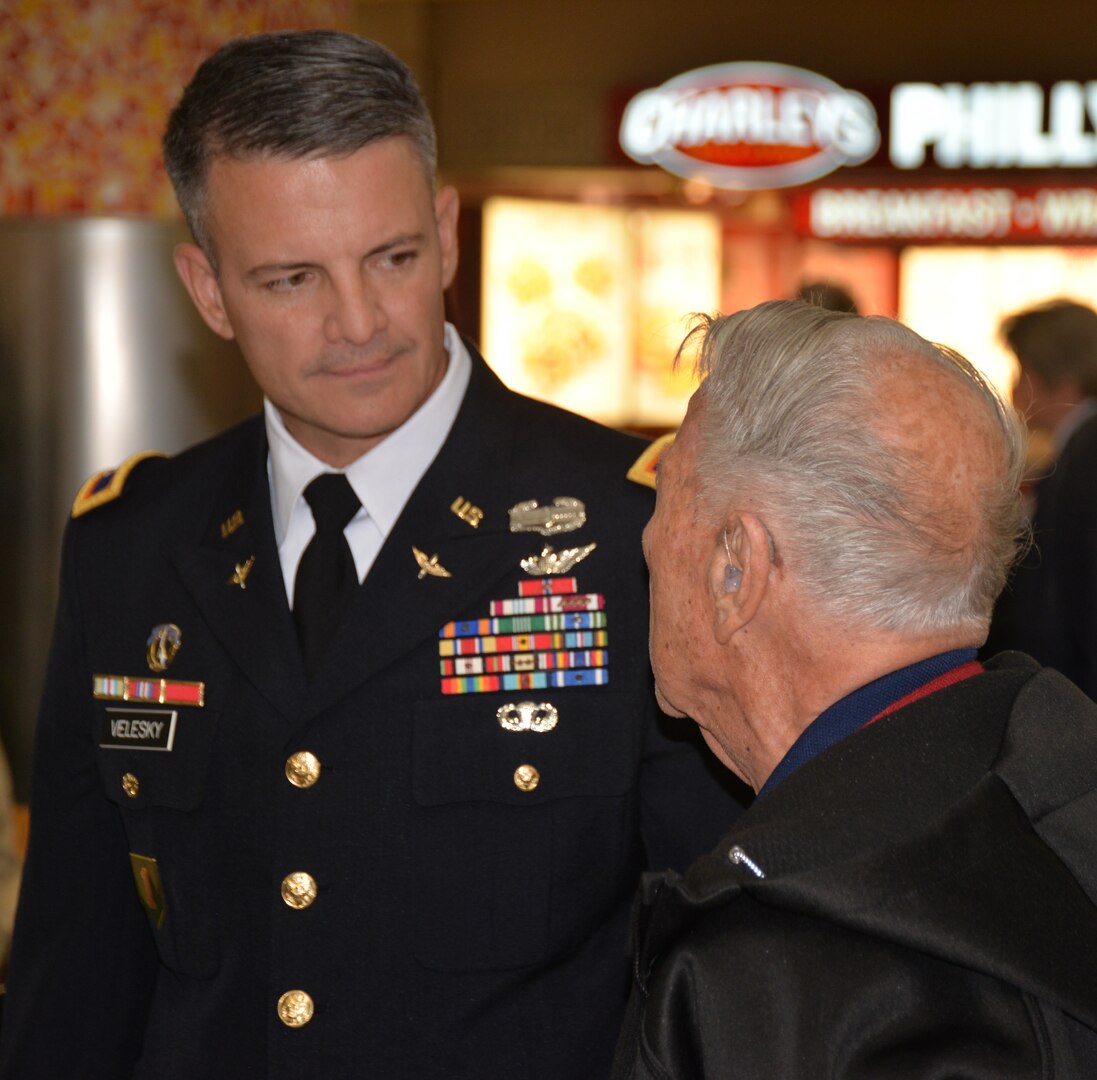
(643, 468)
(107, 485)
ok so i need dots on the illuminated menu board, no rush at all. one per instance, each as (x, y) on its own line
(585, 306)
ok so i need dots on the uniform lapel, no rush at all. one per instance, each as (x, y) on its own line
(397, 609)
(245, 605)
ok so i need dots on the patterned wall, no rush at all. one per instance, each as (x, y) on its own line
(86, 87)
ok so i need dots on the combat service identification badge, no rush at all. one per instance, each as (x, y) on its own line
(564, 515)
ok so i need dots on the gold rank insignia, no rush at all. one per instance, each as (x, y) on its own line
(643, 468)
(429, 564)
(150, 889)
(107, 485)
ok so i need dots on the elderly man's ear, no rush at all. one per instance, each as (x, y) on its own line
(738, 574)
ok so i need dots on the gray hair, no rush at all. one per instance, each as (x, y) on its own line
(787, 420)
(291, 94)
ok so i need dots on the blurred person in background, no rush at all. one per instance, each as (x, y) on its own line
(912, 892)
(337, 772)
(1049, 607)
(829, 295)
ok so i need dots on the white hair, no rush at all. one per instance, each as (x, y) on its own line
(787, 422)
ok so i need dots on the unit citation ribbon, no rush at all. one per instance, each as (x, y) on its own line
(550, 635)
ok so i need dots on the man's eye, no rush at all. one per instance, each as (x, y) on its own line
(396, 259)
(288, 283)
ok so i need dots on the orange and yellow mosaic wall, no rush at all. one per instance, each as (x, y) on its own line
(86, 87)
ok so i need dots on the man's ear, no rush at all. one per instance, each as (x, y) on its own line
(738, 574)
(446, 206)
(200, 280)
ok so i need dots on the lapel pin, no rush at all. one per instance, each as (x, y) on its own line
(564, 515)
(552, 562)
(162, 645)
(429, 564)
(232, 523)
(240, 575)
(468, 513)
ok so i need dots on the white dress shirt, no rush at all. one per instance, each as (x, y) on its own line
(383, 478)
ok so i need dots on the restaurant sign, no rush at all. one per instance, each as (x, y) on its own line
(750, 126)
(949, 213)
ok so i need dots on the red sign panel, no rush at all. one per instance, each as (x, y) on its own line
(960, 213)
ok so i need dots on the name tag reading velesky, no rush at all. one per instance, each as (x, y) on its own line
(138, 729)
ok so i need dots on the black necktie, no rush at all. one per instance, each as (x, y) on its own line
(326, 577)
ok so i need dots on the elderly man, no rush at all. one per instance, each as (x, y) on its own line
(912, 892)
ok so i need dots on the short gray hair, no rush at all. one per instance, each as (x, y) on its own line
(787, 398)
(291, 94)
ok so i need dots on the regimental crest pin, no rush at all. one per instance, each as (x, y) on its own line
(162, 645)
(429, 564)
(564, 515)
(552, 562)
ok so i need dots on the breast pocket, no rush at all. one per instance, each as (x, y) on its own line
(154, 763)
(524, 826)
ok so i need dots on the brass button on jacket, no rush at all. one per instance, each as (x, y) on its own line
(295, 1008)
(131, 785)
(526, 778)
(298, 889)
(302, 769)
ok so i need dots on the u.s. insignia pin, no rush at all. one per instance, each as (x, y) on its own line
(163, 643)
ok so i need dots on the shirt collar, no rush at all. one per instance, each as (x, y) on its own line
(383, 478)
(854, 711)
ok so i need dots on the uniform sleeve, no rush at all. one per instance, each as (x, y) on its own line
(83, 961)
(775, 994)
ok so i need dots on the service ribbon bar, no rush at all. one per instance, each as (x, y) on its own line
(520, 662)
(534, 680)
(550, 586)
(536, 605)
(508, 643)
(161, 691)
(524, 624)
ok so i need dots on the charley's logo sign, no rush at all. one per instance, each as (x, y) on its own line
(750, 125)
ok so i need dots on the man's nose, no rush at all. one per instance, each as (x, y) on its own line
(355, 314)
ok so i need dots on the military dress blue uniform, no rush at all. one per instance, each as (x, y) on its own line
(361, 875)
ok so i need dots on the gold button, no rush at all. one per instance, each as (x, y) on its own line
(295, 1008)
(298, 889)
(131, 785)
(526, 778)
(302, 769)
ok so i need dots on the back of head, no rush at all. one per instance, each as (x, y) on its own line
(1056, 340)
(812, 419)
(292, 94)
